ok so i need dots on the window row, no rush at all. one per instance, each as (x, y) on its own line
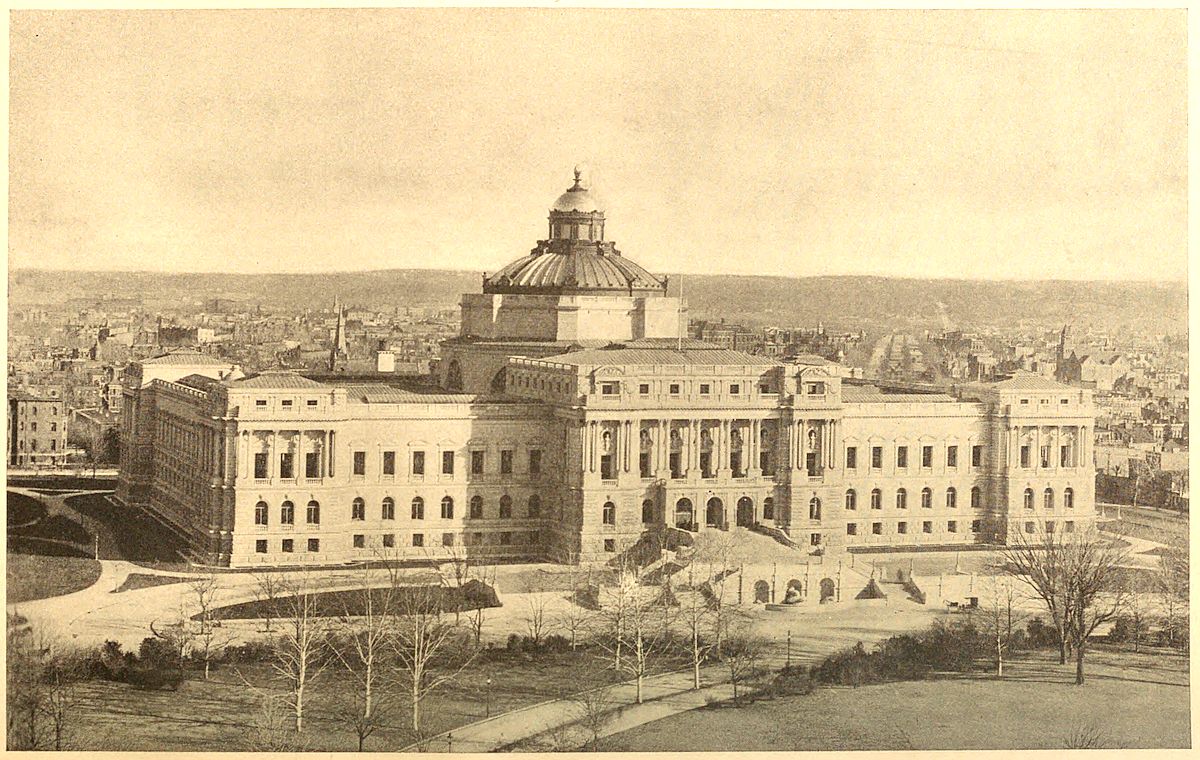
(388, 541)
(387, 509)
(902, 527)
(876, 453)
(951, 498)
(613, 388)
(33, 427)
(478, 462)
(1048, 498)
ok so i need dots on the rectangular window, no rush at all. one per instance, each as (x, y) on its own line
(535, 462)
(260, 546)
(447, 462)
(876, 457)
(505, 538)
(674, 389)
(951, 526)
(644, 464)
(418, 539)
(287, 403)
(314, 544)
(1064, 456)
(418, 463)
(1069, 526)
(952, 456)
(1045, 456)
(609, 389)
(1049, 526)
(606, 467)
(288, 545)
(927, 456)
(260, 513)
(360, 463)
(977, 456)
(53, 427)
(360, 541)
(260, 403)
(447, 539)
(676, 472)
(877, 529)
(1025, 456)
(287, 465)
(389, 540)
(311, 402)
(765, 388)
(314, 513)
(851, 457)
(312, 464)
(927, 526)
(705, 389)
(901, 457)
(506, 462)
(644, 389)
(389, 463)
(54, 445)
(851, 529)
(476, 462)
(976, 526)
(902, 527)
(734, 389)
(610, 545)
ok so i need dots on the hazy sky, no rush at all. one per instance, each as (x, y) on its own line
(1010, 144)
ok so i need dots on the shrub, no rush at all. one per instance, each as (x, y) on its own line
(943, 647)
(1039, 635)
(793, 680)
(251, 651)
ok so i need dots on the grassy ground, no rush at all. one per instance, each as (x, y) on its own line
(34, 577)
(221, 713)
(22, 509)
(132, 535)
(1129, 701)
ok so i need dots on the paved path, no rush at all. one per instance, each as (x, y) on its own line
(555, 724)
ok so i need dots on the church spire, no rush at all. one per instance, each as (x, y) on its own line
(338, 350)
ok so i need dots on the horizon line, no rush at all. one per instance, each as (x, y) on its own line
(326, 273)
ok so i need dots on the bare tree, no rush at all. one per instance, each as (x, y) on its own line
(1170, 581)
(272, 728)
(362, 648)
(999, 612)
(634, 629)
(576, 619)
(301, 650)
(206, 633)
(1087, 571)
(1039, 561)
(717, 558)
(695, 614)
(430, 650)
(593, 710)
(42, 690)
(538, 623)
(268, 587)
(742, 653)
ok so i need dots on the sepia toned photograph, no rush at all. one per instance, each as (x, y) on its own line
(559, 379)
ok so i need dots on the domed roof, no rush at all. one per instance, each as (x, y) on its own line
(574, 272)
(578, 198)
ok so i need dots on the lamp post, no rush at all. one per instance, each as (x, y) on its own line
(487, 697)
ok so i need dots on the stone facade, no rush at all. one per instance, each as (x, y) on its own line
(565, 428)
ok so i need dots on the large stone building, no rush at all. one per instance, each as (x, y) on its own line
(37, 427)
(571, 416)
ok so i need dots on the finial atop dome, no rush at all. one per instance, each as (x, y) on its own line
(578, 174)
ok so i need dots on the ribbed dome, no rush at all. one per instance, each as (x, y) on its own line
(574, 272)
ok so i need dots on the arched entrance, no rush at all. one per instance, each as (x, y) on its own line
(828, 590)
(683, 515)
(714, 515)
(762, 592)
(745, 512)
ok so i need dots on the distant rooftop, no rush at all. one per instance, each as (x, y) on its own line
(861, 394)
(378, 393)
(186, 358)
(662, 356)
(276, 380)
(1028, 381)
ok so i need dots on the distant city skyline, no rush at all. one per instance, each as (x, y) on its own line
(1020, 145)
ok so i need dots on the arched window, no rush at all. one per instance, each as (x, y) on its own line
(388, 509)
(814, 508)
(358, 509)
(683, 514)
(287, 513)
(769, 508)
(648, 511)
(1069, 498)
(926, 498)
(609, 514)
(951, 498)
(1029, 498)
(901, 499)
(876, 499)
(314, 513)
(851, 499)
(535, 505)
(418, 508)
(505, 506)
(447, 508)
(476, 507)
(260, 513)
(976, 497)
(1048, 498)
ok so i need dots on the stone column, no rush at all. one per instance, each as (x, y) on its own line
(628, 442)
(725, 448)
(1037, 448)
(273, 464)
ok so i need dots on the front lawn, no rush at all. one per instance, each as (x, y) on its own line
(37, 577)
(1129, 701)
